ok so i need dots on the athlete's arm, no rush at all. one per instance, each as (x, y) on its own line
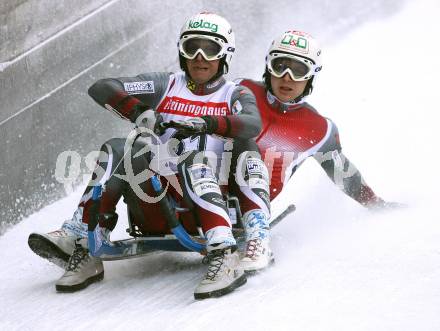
(128, 97)
(344, 173)
(244, 123)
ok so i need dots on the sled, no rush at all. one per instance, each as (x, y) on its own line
(178, 241)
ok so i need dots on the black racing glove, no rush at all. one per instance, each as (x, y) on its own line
(186, 128)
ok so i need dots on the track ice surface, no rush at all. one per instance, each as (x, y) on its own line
(338, 266)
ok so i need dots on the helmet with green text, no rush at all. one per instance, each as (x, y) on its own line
(209, 35)
(297, 54)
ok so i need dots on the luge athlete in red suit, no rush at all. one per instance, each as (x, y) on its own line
(292, 132)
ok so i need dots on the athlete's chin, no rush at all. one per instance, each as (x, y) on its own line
(200, 77)
(284, 96)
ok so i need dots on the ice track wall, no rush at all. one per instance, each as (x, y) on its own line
(50, 54)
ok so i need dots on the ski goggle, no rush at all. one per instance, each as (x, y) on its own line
(210, 47)
(298, 68)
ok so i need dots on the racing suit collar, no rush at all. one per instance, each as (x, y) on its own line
(206, 88)
(283, 106)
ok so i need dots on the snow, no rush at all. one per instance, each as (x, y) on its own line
(338, 266)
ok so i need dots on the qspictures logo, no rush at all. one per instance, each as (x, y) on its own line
(204, 25)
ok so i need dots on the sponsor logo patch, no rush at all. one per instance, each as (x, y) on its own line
(237, 107)
(214, 84)
(255, 167)
(203, 25)
(298, 42)
(198, 173)
(191, 85)
(141, 87)
(206, 188)
(180, 106)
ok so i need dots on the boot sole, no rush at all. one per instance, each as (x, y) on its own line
(218, 293)
(253, 272)
(48, 250)
(80, 286)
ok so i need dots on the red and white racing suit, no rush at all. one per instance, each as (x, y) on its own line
(293, 133)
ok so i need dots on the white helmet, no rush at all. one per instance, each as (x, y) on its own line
(296, 53)
(210, 27)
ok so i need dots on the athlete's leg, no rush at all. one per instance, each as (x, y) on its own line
(201, 186)
(251, 185)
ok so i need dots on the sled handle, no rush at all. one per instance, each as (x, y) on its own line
(93, 235)
(176, 228)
